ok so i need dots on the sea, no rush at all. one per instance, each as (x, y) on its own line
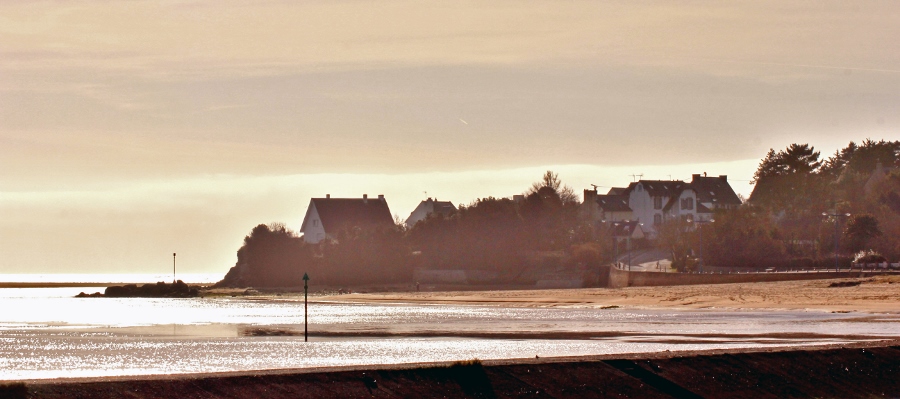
(48, 333)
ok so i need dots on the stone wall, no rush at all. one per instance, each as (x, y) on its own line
(623, 278)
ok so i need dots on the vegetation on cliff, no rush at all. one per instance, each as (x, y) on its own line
(781, 225)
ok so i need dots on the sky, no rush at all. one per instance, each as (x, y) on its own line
(132, 130)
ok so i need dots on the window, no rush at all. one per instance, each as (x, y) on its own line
(687, 204)
(315, 222)
(657, 202)
(657, 219)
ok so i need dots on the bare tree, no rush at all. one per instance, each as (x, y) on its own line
(551, 180)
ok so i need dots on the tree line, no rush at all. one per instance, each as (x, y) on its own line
(795, 214)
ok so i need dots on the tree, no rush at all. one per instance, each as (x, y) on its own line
(551, 180)
(795, 159)
(859, 231)
(789, 187)
(742, 237)
(272, 255)
(676, 236)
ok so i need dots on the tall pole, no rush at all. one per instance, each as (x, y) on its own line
(616, 241)
(837, 266)
(628, 245)
(173, 268)
(701, 249)
(305, 307)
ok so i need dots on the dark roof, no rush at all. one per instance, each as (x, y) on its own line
(445, 208)
(624, 229)
(340, 213)
(617, 191)
(613, 203)
(702, 208)
(660, 188)
(714, 190)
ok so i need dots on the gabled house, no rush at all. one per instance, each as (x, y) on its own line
(428, 207)
(605, 208)
(326, 217)
(652, 202)
(715, 192)
(627, 230)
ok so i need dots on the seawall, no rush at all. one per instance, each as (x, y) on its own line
(623, 278)
(859, 371)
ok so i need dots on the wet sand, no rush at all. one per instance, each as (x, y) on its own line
(875, 295)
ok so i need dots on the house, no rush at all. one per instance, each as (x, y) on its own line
(428, 207)
(651, 202)
(326, 217)
(656, 200)
(605, 208)
(627, 230)
(715, 192)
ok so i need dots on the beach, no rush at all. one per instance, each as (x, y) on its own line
(879, 294)
(259, 336)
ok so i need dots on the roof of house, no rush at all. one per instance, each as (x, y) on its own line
(339, 213)
(443, 207)
(658, 188)
(428, 207)
(626, 228)
(714, 190)
(617, 191)
(613, 203)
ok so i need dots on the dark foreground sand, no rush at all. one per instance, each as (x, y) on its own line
(863, 370)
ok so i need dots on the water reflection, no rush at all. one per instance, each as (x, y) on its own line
(46, 333)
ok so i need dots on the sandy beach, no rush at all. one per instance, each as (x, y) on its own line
(875, 295)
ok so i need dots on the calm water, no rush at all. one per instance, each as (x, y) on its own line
(46, 333)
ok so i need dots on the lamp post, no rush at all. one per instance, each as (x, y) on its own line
(615, 225)
(836, 216)
(628, 245)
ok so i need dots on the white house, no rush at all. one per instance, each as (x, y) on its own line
(326, 217)
(429, 207)
(654, 201)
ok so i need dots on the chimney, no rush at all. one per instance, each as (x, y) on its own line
(590, 196)
(365, 198)
(327, 195)
(381, 197)
(695, 176)
(724, 178)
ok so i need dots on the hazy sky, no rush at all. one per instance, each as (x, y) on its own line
(131, 130)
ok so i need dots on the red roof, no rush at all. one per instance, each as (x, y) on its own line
(339, 213)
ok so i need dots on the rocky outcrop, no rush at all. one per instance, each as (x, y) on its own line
(159, 290)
